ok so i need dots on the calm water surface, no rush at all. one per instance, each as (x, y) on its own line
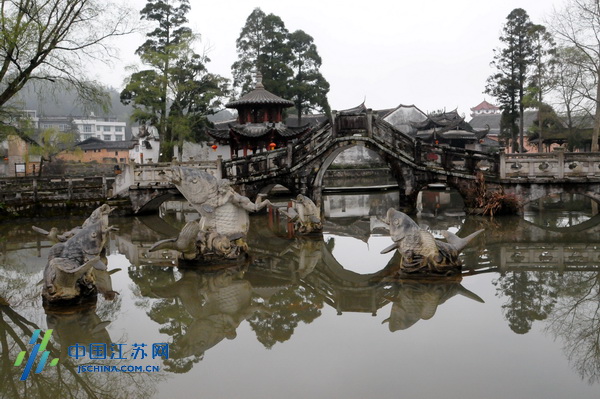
(308, 318)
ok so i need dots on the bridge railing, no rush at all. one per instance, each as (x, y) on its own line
(390, 136)
(256, 164)
(308, 146)
(553, 165)
(455, 159)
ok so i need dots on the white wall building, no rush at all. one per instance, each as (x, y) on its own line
(103, 128)
(147, 144)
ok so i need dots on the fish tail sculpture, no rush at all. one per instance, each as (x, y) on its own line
(420, 253)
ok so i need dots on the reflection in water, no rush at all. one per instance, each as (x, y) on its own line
(540, 276)
(198, 310)
(530, 296)
(63, 380)
(560, 210)
(416, 301)
(575, 320)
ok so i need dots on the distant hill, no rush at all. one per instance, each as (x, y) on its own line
(51, 102)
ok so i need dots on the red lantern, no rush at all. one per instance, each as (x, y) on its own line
(272, 146)
(214, 147)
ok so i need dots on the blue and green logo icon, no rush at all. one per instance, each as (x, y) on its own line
(38, 348)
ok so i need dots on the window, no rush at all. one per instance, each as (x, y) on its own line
(87, 136)
(107, 128)
(118, 137)
(118, 128)
(87, 128)
(107, 137)
(98, 128)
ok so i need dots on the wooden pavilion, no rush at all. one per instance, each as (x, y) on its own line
(259, 125)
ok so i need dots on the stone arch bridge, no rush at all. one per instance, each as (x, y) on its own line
(301, 166)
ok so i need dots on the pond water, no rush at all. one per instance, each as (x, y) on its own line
(317, 317)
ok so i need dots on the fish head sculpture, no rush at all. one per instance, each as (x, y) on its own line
(197, 186)
(400, 224)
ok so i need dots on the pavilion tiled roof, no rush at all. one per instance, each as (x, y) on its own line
(260, 96)
(259, 130)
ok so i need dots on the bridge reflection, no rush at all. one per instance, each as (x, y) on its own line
(539, 274)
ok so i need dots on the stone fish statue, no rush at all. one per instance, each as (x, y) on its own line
(221, 208)
(224, 222)
(54, 236)
(69, 275)
(421, 254)
(305, 215)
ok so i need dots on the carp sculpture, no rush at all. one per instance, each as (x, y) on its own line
(305, 215)
(220, 232)
(75, 270)
(421, 254)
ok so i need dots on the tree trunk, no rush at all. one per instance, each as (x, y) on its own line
(596, 117)
(521, 126)
(540, 126)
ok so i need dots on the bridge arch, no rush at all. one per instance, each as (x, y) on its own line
(403, 173)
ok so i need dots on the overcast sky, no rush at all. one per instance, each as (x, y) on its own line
(434, 54)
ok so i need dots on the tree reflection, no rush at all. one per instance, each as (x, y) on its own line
(198, 310)
(576, 320)
(531, 296)
(62, 381)
(286, 309)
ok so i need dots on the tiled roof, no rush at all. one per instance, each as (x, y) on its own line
(260, 96)
(259, 130)
(354, 110)
(97, 144)
(484, 105)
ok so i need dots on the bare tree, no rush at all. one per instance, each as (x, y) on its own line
(57, 41)
(578, 25)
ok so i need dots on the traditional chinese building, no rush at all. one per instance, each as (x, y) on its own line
(484, 108)
(259, 125)
(448, 128)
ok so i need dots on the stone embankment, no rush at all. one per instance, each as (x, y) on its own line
(49, 196)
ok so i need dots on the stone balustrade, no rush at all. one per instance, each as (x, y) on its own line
(550, 165)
